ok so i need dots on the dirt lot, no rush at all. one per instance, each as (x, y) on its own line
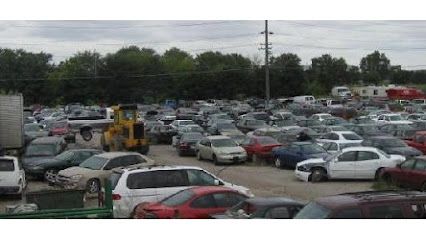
(262, 180)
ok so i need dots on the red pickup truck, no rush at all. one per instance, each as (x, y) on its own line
(418, 141)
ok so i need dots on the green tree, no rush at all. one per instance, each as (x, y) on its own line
(286, 76)
(375, 67)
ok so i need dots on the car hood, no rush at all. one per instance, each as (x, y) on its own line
(312, 162)
(405, 151)
(69, 172)
(229, 150)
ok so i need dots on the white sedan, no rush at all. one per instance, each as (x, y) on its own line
(340, 137)
(349, 163)
(220, 149)
(392, 118)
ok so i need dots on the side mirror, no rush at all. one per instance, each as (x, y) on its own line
(218, 183)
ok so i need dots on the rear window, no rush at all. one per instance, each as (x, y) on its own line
(352, 136)
(6, 165)
(115, 177)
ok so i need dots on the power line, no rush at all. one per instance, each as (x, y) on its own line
(352, 48)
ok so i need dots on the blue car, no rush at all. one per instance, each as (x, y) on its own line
(290, 155)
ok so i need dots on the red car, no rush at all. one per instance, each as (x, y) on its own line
(260, 147)
(195, 202)
(411, 173)
(418, 141)
(62, 128)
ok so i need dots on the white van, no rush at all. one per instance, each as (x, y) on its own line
(341, 92)
(308, 99)
(132, 186)
(12, 176)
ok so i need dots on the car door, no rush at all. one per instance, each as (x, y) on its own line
(419, 142)
(201, 147)
(343, 166)
(292, 156)
(366, 165)
(140, 187)
(401, 174)
(169, 182)
(207, 150)
(201, 207)
(417, 176)
(249, 145)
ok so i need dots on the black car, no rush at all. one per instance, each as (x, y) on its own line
(268, 208)
(42, 149)
(403, 131)
(187, 142)
(48, 168)
(308, 123)
(162, 134)
(391, 145)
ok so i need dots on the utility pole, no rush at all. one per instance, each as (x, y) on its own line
(94, 66)
(267, 47)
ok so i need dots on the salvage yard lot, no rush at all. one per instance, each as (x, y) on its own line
(263, 181)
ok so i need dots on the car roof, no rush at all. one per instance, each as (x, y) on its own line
(158, 167)
(199, 190)
(268, 201)
(302, 143)
(382, 137)
(110, 155)
(359, 148)
(46, 140)
(84, 150)
(217, 137)
(357, 198)
(343, 132)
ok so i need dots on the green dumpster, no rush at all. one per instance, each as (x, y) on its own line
(57, 199)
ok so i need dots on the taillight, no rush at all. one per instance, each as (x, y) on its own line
(116, 197)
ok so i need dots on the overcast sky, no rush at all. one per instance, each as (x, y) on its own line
(404, 42)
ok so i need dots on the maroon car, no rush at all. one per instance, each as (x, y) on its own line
(62, 128)
(411, 173)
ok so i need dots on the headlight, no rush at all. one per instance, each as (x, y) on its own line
(76, 177)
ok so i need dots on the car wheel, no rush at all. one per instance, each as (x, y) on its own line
(215, 161)
(199, 158)
(317, 175)
(423, 189)
(278, 163)
(50, 175)
(378, 173)
(93, 186)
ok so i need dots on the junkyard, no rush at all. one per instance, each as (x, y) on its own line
(140, 133)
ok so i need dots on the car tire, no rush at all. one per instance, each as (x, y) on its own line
(317, 175)
(93, 186)
(49, 175)
(199, 158)
(423, 188)
(278, 163)
(378, 174)
(215, 161)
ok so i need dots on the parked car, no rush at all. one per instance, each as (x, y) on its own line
(292, 135)
(42, 149)
(246, 125)
(289, 156)
(268, 131)
(340, 137)
(48, 168)
(223, 128)
(132, 186)
(12, 176)
(392, 118)
(195, 203)
(33, 131)
(260, 147)
(366, 130)
(91, 174)
(308, 123)
(263, 208)
(370, 204)
(335, 121)
(186, 143)
(179, 123)
(62, 128)
(323, 129)
(391, 145)
(411, 174)
(403, 131)
(418, 141)
(333, 147)
(349, 163)
(151, 123)
(321, 116)
(162, 134)
(220, 149)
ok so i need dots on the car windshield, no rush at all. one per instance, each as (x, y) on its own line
(32, 128)
(41, 150)
(312, 149)
(351, 136)
(192, 136)
(65, 156)
(178, 199)
(284, 123)
(313, 211)
(226, 126)
(267, 141)
(395, 118)
(94, 162)
(224, 142)
(393, 143)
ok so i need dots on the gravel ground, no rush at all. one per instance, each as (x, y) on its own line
(262, 180)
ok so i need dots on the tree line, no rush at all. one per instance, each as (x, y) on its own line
(142, 75)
